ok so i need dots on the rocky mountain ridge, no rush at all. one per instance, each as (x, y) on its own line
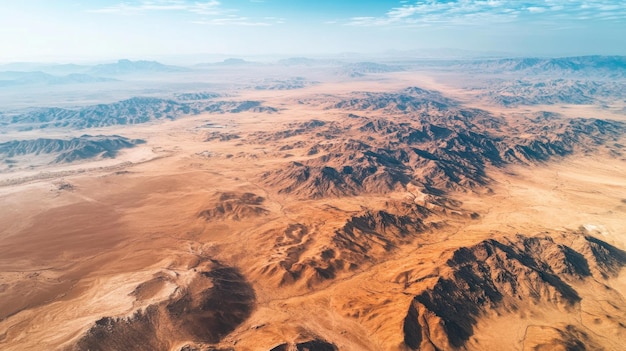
(500, 275)
(605, 66)
(429, 142)
(68, 150)
(135, 110)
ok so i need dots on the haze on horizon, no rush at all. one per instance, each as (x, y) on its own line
(75, 30)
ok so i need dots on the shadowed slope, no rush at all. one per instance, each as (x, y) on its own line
(496, 275)
(212, 304)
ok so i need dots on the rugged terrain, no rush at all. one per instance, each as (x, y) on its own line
(379, 211)
(65, 151)
(136, 110)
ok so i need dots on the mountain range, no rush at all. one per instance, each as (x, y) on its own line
(135, 110)
(124, 67)
(606, 66)
(68, 150)
(550, 92)
(15, 78)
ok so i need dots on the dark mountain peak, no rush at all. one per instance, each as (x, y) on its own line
(209, 304)
(234, 61)
(494, 275)
(129, 63)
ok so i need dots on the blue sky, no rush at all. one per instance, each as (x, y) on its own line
(73, 30)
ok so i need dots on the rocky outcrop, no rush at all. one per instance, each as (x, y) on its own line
(366, 238)
(202, 309)
(312, 345)
(238, 107)
(235, 206)
(199, 96)
(500, 275)
(284, 84)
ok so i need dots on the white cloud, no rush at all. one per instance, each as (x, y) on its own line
(476, 12)
(211, 11)
(536, 9)
(128, 8)
(233, 20)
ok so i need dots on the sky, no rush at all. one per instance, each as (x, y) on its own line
(75, 30)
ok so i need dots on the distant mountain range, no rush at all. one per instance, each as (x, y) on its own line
(305, 61)
(234, 62)
(15, 78)
(123, 67)
(56, 69)
(226, 62)
(555, 91)
(119, 68)
(610, 66)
